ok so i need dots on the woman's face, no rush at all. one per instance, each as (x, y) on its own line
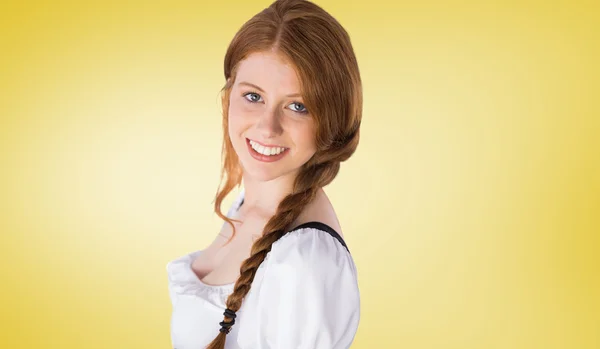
(266, 114)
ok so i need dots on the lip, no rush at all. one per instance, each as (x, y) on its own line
(265, 158)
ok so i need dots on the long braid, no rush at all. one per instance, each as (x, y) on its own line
(288, 210)
(306, 185)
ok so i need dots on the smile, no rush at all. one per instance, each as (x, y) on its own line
(265, 154)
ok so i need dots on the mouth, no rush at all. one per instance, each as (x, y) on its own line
(261, 153)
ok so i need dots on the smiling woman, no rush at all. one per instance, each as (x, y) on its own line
(279, 267)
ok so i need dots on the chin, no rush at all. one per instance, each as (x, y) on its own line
(260, 173)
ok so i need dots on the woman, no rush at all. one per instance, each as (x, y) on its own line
(279, 274)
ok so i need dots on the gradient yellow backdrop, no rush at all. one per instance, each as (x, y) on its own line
(471, 206)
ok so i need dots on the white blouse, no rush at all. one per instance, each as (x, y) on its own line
(304, 295)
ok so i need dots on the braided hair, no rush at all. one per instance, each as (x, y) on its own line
(321, 52)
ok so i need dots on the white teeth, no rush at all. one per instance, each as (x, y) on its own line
(266, 150)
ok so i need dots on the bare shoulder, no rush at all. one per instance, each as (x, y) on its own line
(320, 210)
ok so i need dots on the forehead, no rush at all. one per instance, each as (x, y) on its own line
(269, 71)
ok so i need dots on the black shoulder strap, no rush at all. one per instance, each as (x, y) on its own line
(316, 225)
(324, 227)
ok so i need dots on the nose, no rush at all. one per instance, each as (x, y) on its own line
(269, 123)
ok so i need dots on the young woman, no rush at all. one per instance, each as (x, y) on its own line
(279, 274)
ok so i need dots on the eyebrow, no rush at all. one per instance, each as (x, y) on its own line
(263, 91)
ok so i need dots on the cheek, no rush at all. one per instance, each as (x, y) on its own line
(237, 117)
(241, 113)
(305, 138)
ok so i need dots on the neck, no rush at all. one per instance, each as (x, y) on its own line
(263, 197)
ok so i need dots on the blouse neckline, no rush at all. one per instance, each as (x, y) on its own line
(225, 289)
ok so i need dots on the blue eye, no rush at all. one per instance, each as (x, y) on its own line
(252, 94)
(302, 108)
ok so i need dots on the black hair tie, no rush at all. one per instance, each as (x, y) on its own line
(229, 313)
(226, 326)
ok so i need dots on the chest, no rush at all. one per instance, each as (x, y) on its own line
(220, 264)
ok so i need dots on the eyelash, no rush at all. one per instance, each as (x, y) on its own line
(305, 111)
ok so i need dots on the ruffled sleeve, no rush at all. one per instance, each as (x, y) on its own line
(309, 297)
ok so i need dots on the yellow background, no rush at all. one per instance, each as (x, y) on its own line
(471, 206)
